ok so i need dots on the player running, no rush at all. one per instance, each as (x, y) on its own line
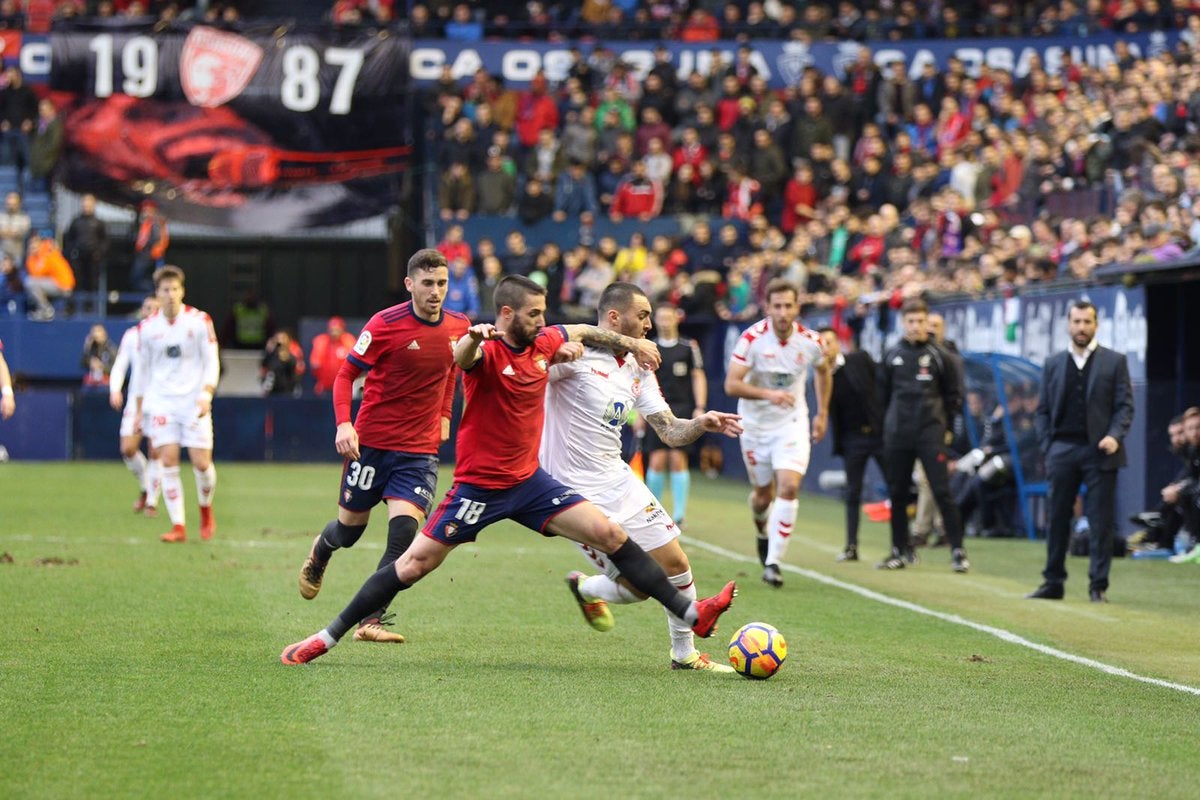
(587, 403)
(497, 477)
(391, 447)
(147, 471)
(768, 371)
(174, 376)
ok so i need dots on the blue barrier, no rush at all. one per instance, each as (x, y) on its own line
(41, 429)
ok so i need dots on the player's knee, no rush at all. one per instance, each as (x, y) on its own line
(608, 537)
(763, 495)
(674, 563)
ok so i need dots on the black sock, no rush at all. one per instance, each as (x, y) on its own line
(336, 536)
(379, 590)
(762, 542)
(401, 532)
(648, 577)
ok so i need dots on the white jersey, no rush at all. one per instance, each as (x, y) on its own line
(776, 364)
(176, 358)
(587, 403)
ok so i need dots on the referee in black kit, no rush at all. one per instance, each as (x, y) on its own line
(920, 386)
(685, 388)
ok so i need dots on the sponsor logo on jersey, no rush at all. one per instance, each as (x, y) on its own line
(653, 512)
(508, 370)
(364, 341)
(216, 66)
(598, 372)
(614, 414)
(897, 362)
(413, 345)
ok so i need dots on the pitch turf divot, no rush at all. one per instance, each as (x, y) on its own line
(999, 633)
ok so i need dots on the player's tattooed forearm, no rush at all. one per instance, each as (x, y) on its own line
(599, 337)
(673, 431)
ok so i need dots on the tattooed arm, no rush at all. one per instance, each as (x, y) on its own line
(644, 351)
(676, 432)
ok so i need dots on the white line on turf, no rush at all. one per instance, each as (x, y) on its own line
(999, 633)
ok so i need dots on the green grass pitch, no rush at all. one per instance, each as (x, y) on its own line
(130, 668)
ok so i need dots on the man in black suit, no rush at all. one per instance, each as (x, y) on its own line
(856, 420)
(1083, 414)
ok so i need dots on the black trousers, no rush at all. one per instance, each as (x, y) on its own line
(1069, 465)
(900, 461)
(858, 450)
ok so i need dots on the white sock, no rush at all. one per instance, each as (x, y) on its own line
(779, 528)
(206, 484)
(602, 587)
(172, 488)
(137, 465)
(683, 643)
(327, 638)
(152, 484)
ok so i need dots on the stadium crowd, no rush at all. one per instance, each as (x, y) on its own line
(865, 189)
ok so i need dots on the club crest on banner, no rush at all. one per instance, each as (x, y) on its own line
(216, 66)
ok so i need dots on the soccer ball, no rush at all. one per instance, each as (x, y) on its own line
(757, 650)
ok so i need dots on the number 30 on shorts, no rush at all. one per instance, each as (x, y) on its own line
(360, 476)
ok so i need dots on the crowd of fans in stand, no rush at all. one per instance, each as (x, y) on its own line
(713, 20)
(876, 185)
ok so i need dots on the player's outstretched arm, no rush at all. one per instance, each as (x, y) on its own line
(8, 403)
(467, 351)
(644, 351)
(676, 432)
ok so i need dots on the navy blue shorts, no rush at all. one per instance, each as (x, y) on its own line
(388, 475)
(466, 510)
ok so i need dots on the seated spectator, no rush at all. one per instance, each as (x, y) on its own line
(637, 196)
(48, 275)
(575, 195)
(327, 353)
(454, 246)
(282, 365)
(462, 292)
(495, 187)
(517, 259)
(99, 353)
(456, 193)
(12, 287)
(534, 204)
(492, 271)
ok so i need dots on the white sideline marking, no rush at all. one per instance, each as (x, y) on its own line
(999, 633)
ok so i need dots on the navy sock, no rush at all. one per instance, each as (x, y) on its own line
(336, 536)
(648, 577)
(401, 532)
(377, 592)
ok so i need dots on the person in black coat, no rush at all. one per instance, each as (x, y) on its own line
(856, 422)
(1084, 411)
(921, 391)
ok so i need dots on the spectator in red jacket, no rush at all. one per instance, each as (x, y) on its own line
(536, 112)
(637, 196)
(453, 247)
(327, 353)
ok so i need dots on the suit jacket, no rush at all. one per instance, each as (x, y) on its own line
(1109, 401)
(857, 375)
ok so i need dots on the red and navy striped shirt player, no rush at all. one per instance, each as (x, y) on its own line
(391, 447)
(506, 369)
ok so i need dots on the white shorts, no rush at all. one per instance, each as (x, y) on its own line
(770, 451)
(635, 508)
(127, 418)
(179, 424)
